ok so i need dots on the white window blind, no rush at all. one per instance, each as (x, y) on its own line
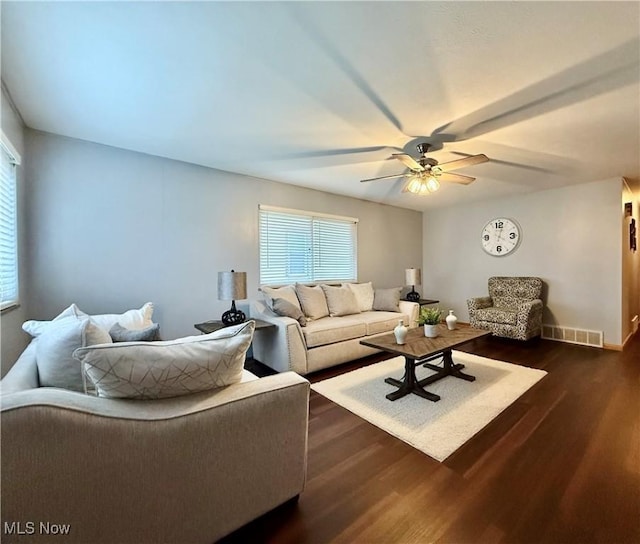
(8, 225)
(298, 246)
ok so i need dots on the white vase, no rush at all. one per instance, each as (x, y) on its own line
(401, 332)
(451, 320)
(431, 331)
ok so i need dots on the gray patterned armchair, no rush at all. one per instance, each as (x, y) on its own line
(513, 308)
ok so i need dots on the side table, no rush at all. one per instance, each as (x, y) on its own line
(423, 301)
(211, 326)
(252, 365)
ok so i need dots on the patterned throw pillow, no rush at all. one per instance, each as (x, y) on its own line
(285, 308)
(340, 300)
(119, 333)
(387, 300)
(155, 370)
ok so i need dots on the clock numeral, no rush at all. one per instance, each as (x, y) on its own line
(513, 235)
(499, 224)
(486, 237)
(499, 249)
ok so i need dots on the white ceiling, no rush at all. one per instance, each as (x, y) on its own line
(319, 94)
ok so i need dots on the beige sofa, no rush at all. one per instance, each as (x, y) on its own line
(184, 469)
(324, 342)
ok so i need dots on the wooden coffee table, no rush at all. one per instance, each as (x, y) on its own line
(419, 350)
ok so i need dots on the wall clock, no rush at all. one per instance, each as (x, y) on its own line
(500, 236)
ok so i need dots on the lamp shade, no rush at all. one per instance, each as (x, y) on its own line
(412, 276)
(232, 285)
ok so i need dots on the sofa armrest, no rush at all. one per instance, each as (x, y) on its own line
(281, 347)
(23, 375)
(412, 309)
(185, 469)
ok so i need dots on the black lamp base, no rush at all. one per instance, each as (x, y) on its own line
(413, 295)
(233, 316)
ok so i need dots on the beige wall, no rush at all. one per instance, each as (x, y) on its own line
(570, 238)
(12, 339)
(111, 229)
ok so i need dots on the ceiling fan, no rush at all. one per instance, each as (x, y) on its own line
(426, 173)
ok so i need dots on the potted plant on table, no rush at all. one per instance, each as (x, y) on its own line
(430, 317)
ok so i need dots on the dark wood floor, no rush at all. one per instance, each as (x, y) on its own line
(560, 465)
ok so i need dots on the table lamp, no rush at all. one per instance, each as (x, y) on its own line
(232, 286)
(413, 277)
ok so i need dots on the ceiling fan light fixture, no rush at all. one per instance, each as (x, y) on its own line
(422, 185)
(433, 184)
(415, 185)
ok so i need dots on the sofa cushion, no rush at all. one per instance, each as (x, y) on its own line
(330, 330)
(312, 301)
(55, 348)
(131, 319)
(36, 328)
(284, 308)
(153, 370)
(287, 293)
(364, 295)
(379, 322)
(119, 333)
(497, 315)
(387, 300)
(340, 300)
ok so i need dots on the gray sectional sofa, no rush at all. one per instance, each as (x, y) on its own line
(190, 468)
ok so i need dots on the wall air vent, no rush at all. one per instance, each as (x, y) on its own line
(573, 336)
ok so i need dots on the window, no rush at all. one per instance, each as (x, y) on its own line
(297, 246)
(8, 225)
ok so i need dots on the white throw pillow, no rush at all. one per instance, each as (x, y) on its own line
(36, 328)
(55, 348)
(364, 295)
(153, 370)
(131, 319)
(312, 301)
(340, 300)
(287, 293)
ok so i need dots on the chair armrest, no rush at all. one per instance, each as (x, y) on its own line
(529, 309)
(282, 348)
(186, 469)
(411, 309)
(477, 303)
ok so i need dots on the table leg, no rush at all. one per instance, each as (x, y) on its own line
(409, 384)
(452, 369)
(448, 368)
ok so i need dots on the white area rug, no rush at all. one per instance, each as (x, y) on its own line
(435, 428)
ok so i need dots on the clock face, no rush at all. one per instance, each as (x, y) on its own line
(500, 236)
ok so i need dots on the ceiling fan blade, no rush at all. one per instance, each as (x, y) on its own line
(456, 178)
(383, 177)
(509, 163)
(408, 161)
(461, 163)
